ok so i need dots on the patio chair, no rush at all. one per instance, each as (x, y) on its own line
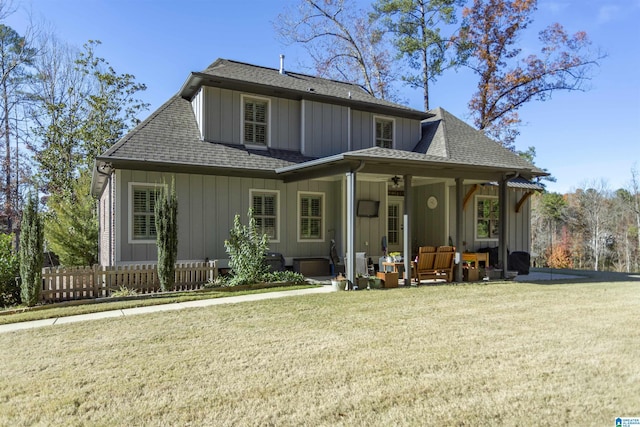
(426, 259)
(443, 264)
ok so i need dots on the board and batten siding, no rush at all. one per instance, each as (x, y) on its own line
(429, 226)
(197, 106)
(369, 231)
(221, 114)
(519, 236)
(407, 132)
(207, 206)
(326, 129)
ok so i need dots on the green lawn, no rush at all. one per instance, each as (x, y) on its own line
(498, 354)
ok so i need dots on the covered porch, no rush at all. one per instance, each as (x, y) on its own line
(431, 192)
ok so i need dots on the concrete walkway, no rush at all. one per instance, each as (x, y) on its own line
(162, 307)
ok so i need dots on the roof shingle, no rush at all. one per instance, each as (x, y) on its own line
(170, 135)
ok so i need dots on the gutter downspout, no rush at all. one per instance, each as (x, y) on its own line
(109, 183)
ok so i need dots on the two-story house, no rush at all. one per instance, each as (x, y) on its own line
(317, 160)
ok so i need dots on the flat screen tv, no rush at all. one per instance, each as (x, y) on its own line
(368, 208)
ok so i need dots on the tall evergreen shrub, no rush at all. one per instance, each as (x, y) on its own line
(31, 252)
(166, 213)
(9, 270)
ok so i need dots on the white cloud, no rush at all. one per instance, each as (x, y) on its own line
(554, 6)
(608, 13)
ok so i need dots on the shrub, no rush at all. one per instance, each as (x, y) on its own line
(71, 224)
(285, 276)
(9, 270)
(246, 248)
(31, 252)
(219, 282)
(166, 212)
(123, 291)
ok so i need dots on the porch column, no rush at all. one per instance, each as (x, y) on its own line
(457, 271)
(351, 227)
(504, 226)
(407, 229)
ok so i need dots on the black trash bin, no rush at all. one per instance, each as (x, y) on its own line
(275, 261)
(519, 261)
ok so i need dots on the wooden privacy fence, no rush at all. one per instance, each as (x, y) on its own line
(65, 284)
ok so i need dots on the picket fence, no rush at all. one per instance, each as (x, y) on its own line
(66, 284)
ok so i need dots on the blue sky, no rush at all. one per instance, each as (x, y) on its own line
(579, 137)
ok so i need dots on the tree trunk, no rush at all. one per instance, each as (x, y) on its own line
(7, 160)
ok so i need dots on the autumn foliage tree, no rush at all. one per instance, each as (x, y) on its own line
(559, 255)
(507, 79)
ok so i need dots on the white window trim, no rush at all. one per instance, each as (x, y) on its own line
(298, 215)
(393, 135)
(475, 219)
(277, 193)
(268, 141)
(133, 241)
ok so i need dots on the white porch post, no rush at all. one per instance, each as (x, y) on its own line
(407, 229)
(457, 276)
(504, 226)
(351, 227)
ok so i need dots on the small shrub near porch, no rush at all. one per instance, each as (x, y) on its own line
(247, 247)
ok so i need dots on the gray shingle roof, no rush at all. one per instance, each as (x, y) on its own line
(170, 136)
(446, 135)
(296, 84)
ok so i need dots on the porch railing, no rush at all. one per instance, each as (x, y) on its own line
(72, 283)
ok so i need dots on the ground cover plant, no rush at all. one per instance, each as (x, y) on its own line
(497, 354)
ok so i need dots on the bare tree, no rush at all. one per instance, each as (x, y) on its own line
(635, 207)
(594, 203)
(57, 95)
(16, 55)
(342, 42)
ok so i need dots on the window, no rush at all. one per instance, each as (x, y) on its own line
(143, 201)
(393, 223)
(487, 214)
(265, 212)
(384, 133)
(311, 216)
(255, 115)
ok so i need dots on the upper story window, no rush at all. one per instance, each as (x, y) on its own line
(487, 215)
(265, 211)
(310, 216)
(143, 218)
(384, 132)
(255, 113)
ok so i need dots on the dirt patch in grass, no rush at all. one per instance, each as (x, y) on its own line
(497, 354)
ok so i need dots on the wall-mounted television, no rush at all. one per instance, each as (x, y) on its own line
(368, 208)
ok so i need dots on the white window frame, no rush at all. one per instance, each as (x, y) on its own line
(323, 199)
(475, 218)
(132, 187)
(243, 98)
(393, 129)
(276, 193)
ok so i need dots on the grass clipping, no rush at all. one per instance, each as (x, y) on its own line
(504, 354)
